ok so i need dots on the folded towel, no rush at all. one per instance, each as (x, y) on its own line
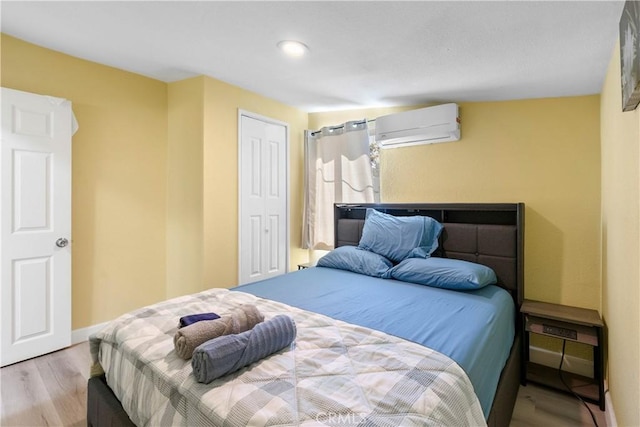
(224, 355)
(241, 319)
(198, 317)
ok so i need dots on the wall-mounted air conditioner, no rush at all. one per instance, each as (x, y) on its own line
(423, 126)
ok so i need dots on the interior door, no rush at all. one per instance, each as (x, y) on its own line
(35, 225)
(263, 199)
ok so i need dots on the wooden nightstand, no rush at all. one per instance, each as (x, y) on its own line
(570, 324)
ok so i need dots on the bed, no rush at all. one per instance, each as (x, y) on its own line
(371, 310)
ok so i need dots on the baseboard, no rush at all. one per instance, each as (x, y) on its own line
(609, 413)
(80, 335)
(572, 364)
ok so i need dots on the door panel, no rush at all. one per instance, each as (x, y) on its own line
(31, 293)
(274, 169)
(263, 194)
(32, 199)
(255, 246)
(273, 254)
(276, 202)
(256, 168)
(29, 122)
(35, 201)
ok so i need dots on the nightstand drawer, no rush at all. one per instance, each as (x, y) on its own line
(564, 330)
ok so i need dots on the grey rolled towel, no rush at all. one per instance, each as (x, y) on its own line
(241, 319)
(224, 355)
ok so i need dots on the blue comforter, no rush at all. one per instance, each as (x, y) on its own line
(474, 328)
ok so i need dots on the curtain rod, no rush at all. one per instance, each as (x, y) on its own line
(342, 126)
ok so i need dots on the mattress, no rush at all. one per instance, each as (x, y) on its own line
(474, 328)
(335, 373)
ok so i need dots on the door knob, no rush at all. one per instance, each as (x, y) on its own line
(62, 242)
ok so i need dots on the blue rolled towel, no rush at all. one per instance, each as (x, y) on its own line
(193, 318)
(229, 353)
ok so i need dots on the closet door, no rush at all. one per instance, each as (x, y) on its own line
(263, 222)
(35, 225)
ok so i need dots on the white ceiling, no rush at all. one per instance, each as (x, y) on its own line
(362, 53)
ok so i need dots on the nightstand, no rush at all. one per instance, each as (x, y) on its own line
(569, 324)
(304, 265)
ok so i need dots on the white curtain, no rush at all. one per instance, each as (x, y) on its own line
(338, 170)
(374, 156)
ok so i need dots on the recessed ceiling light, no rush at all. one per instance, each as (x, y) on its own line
(293, 48)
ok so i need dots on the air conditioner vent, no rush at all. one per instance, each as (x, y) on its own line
(422, 126)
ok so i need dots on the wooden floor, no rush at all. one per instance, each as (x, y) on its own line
(540, 406)
(52, 391)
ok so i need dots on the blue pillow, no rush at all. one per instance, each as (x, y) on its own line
(351, 258)
(444, 273)
(399, 237)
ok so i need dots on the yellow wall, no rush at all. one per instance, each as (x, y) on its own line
(620, 136)
(545, 153)
(118, 184)
(155, 197)
(154, 178)
(184, 187)
(222, 102)
(202, 228)
(155, 189)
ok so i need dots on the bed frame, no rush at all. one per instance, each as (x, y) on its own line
(486, 233)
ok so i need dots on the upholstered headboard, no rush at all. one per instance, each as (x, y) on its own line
(486, 233)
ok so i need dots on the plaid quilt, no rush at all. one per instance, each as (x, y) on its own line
(334, 374)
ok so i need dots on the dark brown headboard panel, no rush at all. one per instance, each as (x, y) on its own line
(486, 233)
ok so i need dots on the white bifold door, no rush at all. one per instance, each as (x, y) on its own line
(263, 222)
(35, 225)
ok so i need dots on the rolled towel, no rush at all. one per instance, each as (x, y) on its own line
(224, 355)
(241, 319)
(190, 319)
